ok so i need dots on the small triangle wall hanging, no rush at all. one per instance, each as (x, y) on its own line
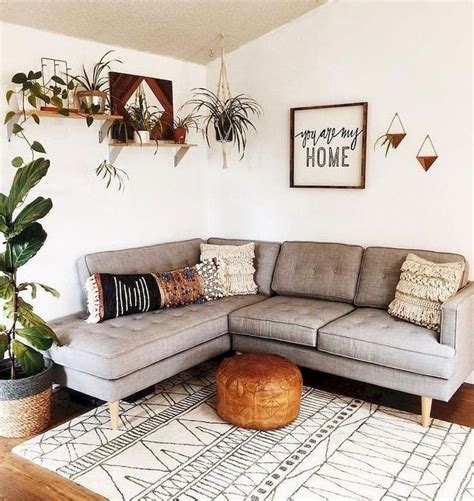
(394, 135)
(396, 132)
(427, 154)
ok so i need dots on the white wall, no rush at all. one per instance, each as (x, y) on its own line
(398, 56)
(410, 57)
(160, 203)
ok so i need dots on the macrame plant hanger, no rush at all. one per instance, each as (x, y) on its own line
(223, 94)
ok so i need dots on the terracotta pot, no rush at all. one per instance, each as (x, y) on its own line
(179, 135)
(25, 403)
(91, 101)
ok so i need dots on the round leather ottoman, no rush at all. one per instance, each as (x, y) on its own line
(258, 391)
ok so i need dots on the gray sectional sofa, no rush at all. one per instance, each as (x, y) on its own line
(322, 305)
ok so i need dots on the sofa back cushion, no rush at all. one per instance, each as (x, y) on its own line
(266, 254)
(150, 259)
(320, 270)
(380, 273)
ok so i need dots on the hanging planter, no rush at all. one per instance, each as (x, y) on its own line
(394, 136)
(223, 129)
(230, 117)
(427, 155)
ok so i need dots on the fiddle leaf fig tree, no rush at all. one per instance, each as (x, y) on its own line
(23, 238)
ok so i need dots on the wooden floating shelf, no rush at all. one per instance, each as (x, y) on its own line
(161, 144)
(116, 147)
(72, 114)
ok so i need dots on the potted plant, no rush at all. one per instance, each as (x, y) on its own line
(230, 118)
(25, 376)
(142, 117)
(181, 126)
(92, 94)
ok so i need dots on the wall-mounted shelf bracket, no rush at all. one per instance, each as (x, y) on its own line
(181, 149)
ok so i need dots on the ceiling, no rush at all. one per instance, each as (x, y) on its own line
(184, 29)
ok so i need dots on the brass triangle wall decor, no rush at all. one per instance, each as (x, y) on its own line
(396, 132)
(394, 135)
(428, 157)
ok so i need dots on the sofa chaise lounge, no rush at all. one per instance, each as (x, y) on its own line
(322, 305)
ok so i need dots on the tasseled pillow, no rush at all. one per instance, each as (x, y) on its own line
(423, 288)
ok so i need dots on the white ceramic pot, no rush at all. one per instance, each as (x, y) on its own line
(141, 136)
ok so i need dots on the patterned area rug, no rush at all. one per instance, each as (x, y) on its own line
(174, 446)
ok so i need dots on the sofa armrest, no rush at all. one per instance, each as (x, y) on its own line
(457, 319)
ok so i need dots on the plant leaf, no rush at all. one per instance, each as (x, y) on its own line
(31, 213)
(9, 95)
(19, 78)
(25, 179)
(36, 336)
(24, 246)
(29, 319)
(9, 116)
(30, 360)
(32, 100)
(17, 128)
(89, 120)
(17, 162)
(36, 146)
(6, 288)
(51, 290)
(58, 80)
(35, 117)
(3, 345)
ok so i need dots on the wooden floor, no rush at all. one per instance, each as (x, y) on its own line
(21, 480)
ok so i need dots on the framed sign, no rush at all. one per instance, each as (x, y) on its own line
(327, 146)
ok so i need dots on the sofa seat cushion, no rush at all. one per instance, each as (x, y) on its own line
(373, 336)
(290, 319)
(120, 346)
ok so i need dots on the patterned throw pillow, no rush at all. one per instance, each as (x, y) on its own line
(235, 265)
(111, 296)
(423, 288)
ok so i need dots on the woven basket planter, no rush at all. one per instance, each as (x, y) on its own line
(25, 404)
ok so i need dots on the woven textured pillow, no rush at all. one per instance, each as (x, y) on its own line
(235, 265)
(423, 288)
(111, 296)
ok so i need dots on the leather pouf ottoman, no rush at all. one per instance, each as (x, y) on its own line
(258, 391)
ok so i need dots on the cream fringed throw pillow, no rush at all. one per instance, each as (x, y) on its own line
(235, 265)
(423, 288)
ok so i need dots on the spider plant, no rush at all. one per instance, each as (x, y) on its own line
(141, 116)
(231, 118)
(181, 126)
(96, 81)
(186, 122)
(109, 173)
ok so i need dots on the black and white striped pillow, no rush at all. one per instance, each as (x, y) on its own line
(111, 296)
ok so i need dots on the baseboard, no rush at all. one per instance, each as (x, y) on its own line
(470, 378)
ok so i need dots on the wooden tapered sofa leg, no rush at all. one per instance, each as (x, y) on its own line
(114, 408)
(425, 411)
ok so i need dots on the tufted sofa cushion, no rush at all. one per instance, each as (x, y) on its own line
(290, 319)
(380, 273)
(123, 345)
(150, 259)
(266, 254)
(373, 336)
(318, 270)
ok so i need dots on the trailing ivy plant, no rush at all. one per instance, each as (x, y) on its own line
(23, 238)
(36, 94)
(32, 91)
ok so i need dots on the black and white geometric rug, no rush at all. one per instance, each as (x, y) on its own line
(173, 446)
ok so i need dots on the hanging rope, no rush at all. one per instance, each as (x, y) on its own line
(223, 94)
